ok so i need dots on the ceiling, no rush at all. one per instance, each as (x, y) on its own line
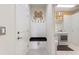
(56, 8)
(66, 9)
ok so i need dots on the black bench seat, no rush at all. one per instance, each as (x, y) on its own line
(38, 39)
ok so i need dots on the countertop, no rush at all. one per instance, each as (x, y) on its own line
(61, 33)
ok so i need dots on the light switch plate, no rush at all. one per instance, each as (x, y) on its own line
(2, 30)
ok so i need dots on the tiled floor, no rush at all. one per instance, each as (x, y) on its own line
(44, 51)
(67, 52)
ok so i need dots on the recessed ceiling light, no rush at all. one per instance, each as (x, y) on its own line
(66, 6)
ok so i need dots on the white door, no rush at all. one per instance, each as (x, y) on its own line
(68, 27)
(75, 29)
(22, 28)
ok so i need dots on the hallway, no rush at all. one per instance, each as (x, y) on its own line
(38, 29)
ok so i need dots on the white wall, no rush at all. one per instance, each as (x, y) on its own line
(50, 17)
(38, 29)
(22, 26)
(7, 19)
